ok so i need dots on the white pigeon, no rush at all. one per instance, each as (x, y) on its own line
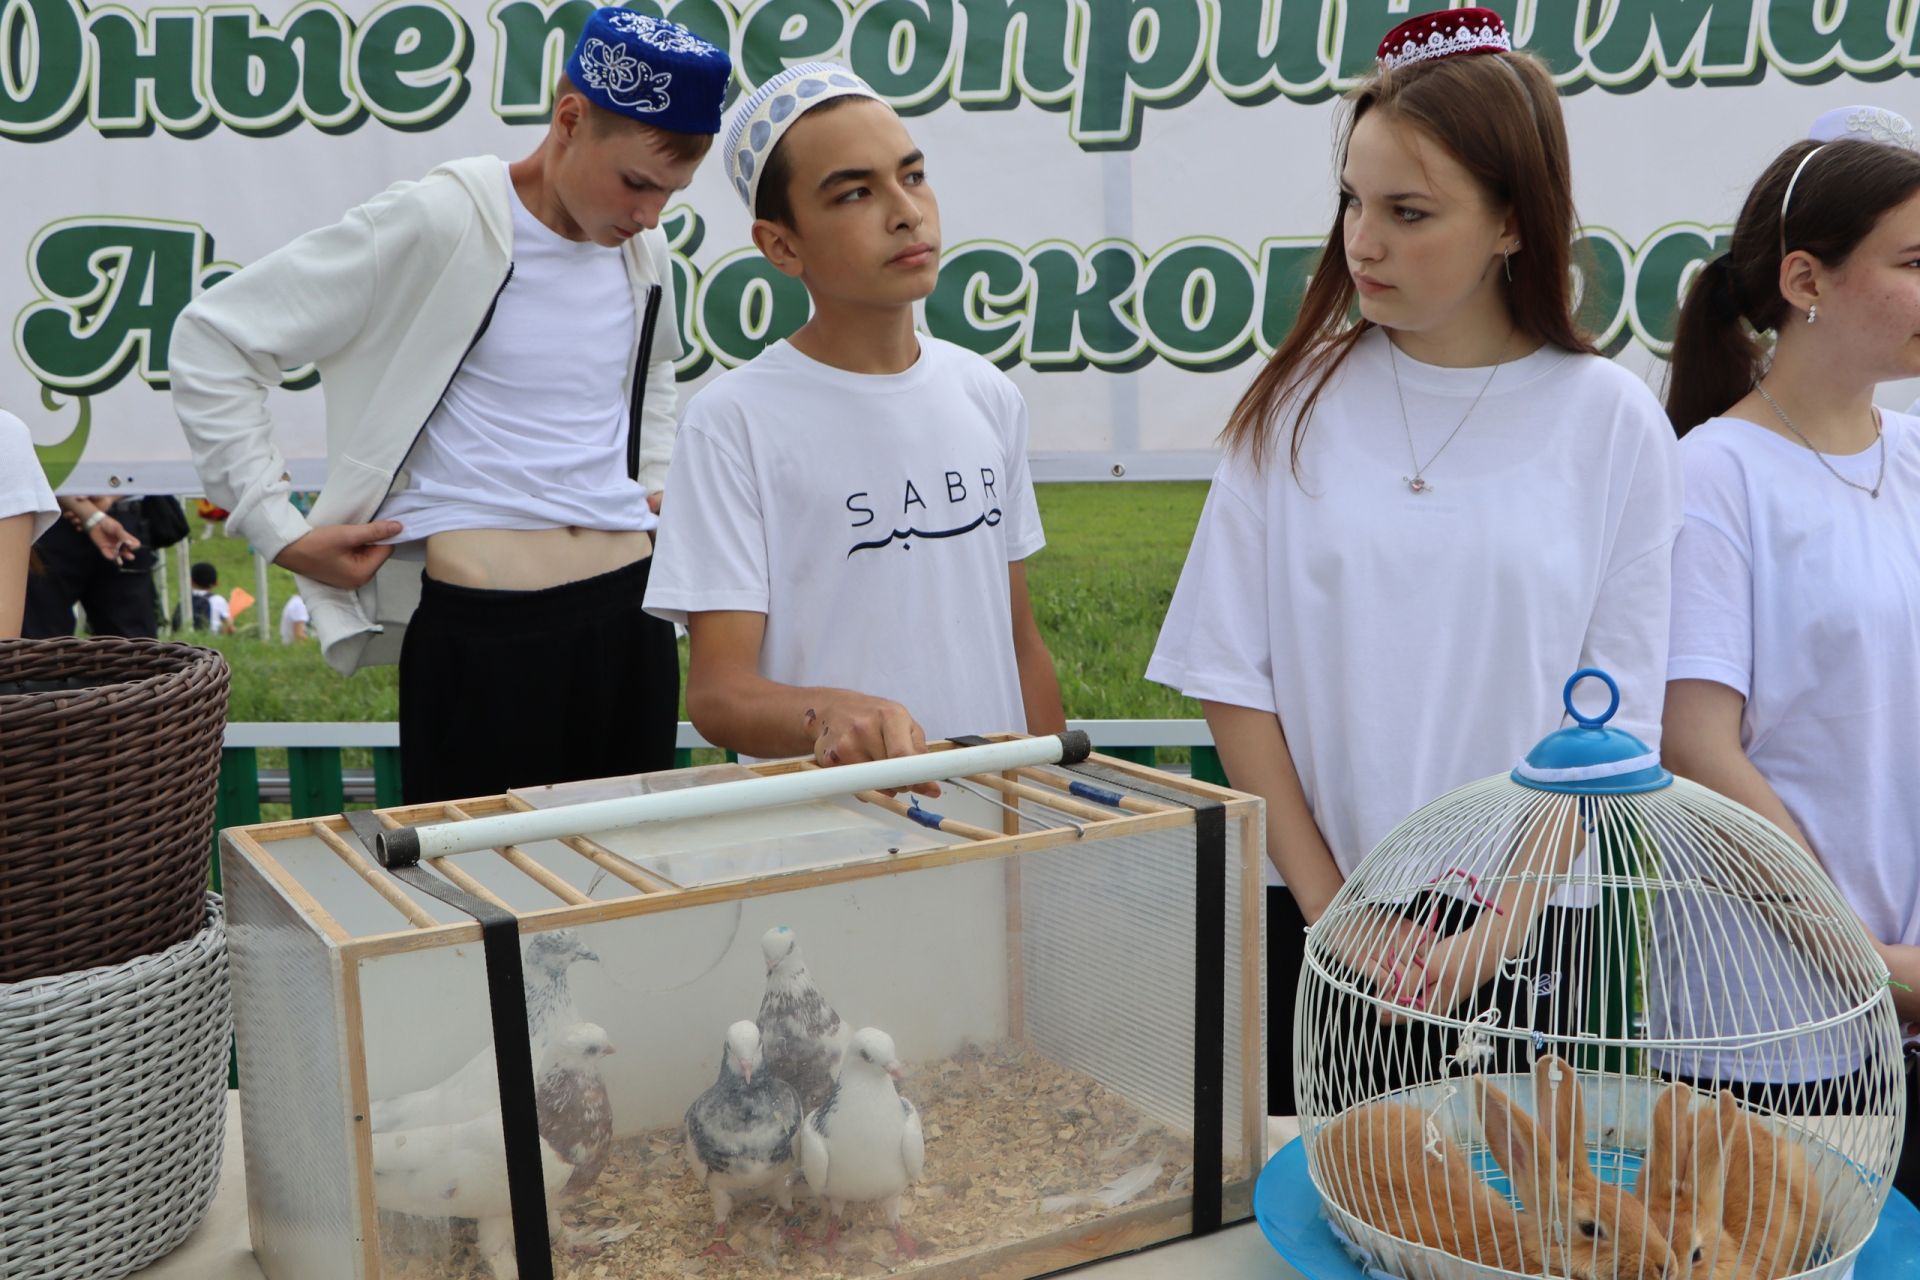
(740, 1132)
(459, 1170)
(864, 1143)
(801, 1036)
(474, 1089)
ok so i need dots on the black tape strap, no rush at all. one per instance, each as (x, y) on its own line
(1209, 982)
(513, 1054)
(649, 322)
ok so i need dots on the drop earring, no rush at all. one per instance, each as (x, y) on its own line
(1813, 313)
(1506, 263)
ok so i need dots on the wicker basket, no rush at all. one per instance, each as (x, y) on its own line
(113, 1109)
(109, 769)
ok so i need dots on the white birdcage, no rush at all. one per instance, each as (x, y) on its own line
(1682, 1060)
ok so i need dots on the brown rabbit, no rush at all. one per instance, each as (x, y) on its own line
(1734, 1199)
(1772, 1202)
(1681, 1185)
(1381, 1164)
(1591, 1228)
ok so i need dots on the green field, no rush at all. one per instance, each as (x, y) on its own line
(1099, 591)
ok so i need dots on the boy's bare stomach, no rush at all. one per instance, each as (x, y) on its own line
(530, 559)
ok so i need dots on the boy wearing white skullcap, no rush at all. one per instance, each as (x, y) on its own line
(496, 344)
(852, 509)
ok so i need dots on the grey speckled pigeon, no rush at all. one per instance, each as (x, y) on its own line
(801, 1036)
(740, 1131)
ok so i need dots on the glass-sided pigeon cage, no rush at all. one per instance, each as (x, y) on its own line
(770, 1020)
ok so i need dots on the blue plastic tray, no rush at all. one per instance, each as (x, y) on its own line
(1287, 1206)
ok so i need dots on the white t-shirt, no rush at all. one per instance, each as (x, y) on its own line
(1411, 643)
(23, 483)
(295, 611)
(532, 432)
(871, 518)
(1803, 595)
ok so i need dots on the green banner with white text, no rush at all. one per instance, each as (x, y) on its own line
(1132, 191)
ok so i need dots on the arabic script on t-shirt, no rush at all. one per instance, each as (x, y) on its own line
(959, 502)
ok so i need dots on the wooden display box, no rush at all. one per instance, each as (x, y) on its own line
(1075, 990)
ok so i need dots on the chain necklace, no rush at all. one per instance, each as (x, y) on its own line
(1878, 480)
(1418, 482)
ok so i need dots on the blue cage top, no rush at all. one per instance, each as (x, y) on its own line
(1590, 759)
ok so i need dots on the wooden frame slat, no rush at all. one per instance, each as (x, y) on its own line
(631, 873)
(1054, 782)
(527, 867)
(953, 826)
(381, 884)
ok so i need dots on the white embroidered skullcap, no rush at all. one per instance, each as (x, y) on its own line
(1863, 124)
(763, 116)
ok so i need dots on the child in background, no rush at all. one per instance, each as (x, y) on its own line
(210, 610)
(293, 621)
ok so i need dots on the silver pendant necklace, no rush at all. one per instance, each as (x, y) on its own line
(1878, 481)
(1418, 483)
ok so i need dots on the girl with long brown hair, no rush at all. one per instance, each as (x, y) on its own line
(1796, 589)
(1428, 518)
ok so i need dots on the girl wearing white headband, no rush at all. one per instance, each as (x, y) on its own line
(1796, 612)
(1425, 522)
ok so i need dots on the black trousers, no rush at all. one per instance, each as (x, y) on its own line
(118, 598)
(1558, 961)
(502, 689)
(1906, 1176)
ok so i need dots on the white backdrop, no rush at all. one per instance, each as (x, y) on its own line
(1130, 189)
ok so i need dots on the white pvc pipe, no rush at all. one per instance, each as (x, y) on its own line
(408, 844)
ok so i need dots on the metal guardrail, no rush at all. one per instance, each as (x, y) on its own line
(1106, 734)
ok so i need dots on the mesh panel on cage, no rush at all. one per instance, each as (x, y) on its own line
(1588, 1019)
(1108, 976)
(294, 1107)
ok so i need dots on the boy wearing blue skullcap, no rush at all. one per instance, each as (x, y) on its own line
(496, 346)
(852, 509)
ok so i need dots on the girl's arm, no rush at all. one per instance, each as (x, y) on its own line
(1253, 748)
(16, 545)
(1702, 742)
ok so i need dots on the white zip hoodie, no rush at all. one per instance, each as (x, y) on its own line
(386, 303)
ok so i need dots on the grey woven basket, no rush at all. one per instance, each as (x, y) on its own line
(113, 1109)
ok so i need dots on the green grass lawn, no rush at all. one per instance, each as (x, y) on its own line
(1100, 589)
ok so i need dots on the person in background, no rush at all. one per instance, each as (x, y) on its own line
(1796, 584)
(97, 557)
(27, 510)
(293, 621)
(210, 611)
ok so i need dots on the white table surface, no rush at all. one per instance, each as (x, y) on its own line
(218, 1248)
